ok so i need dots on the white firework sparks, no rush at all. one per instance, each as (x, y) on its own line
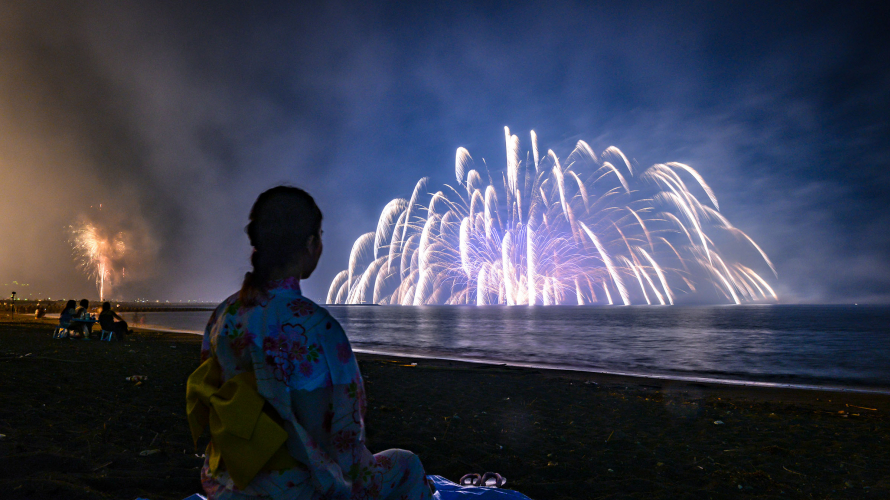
(97, 254)
(553, 232)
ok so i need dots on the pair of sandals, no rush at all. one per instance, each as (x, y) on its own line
(488, 480)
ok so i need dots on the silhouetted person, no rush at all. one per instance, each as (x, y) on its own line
(270, 339)
(110, 321)
(82, 312)
(67, 315)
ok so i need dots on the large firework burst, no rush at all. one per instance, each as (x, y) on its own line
(97, 253)
(587, 229)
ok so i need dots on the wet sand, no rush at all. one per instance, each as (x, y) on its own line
(74, 428)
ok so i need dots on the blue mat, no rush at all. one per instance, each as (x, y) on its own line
(190, 497)
(446, 490)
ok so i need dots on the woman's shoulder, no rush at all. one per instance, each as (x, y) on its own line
(315, 319)
(222, 309)
(295, 303)
(279, 307)
(316, 315)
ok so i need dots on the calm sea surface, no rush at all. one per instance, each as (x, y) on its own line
(846, 346)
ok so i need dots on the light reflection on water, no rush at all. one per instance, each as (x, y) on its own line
(820, 345)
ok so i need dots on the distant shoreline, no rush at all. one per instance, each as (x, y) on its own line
(630, 377)
(739, 379)
(28, 307)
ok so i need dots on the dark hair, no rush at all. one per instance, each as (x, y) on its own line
(281, 221)
(72, 304)
(106, 306)
(84, 303)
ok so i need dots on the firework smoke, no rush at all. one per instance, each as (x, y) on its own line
(585, 230)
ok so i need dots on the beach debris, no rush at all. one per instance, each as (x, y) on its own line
(136, 378)
(172, 347)
(131, 351)
(145, 453)
(590, 382)
(718, 422)
(791, 471)
(861, 407)
(2, 436)
(102, 466)
(411, 365)
(610, 470)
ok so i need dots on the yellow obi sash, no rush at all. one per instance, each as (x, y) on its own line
(244, 437)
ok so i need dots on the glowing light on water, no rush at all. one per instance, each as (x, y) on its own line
(582, 230)
(97, 254)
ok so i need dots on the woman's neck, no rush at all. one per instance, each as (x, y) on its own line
(289, 282)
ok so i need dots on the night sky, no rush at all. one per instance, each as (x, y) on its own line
(176, 115)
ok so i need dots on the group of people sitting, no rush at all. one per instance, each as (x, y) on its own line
(76, 318)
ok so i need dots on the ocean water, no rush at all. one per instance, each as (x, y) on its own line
(823, 346)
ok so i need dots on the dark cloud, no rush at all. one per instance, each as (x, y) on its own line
(179, 114)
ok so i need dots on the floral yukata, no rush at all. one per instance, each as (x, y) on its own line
(306, 370)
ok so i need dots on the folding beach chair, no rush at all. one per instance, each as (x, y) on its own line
(107, 335)
(61, 332)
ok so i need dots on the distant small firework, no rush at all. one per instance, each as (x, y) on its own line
(584, 230)
(97, 253)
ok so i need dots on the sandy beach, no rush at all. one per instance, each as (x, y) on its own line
(74, 428)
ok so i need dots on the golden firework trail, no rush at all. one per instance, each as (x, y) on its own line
(96, 254)
(581, 230)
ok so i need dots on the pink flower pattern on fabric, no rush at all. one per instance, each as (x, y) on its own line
(301, 307)
(296, 349)
(343, 440)
(384, 462)
(240, 343)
